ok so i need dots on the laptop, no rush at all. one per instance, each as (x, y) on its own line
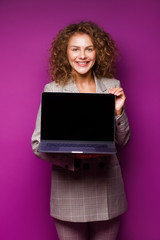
(77, 123)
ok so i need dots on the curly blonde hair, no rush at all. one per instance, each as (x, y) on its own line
(106, 52)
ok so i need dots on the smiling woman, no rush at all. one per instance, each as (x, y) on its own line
(87, 192)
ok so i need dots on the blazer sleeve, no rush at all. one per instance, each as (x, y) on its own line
(122, 129)
(62, 160)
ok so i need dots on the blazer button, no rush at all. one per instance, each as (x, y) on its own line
(66, 166)
(119, 123)
(86, 166)
(101, 164)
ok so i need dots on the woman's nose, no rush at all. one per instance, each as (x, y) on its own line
(82, 54)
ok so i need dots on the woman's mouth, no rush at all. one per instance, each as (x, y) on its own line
(82, 64)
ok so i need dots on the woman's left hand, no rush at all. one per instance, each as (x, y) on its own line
(120, 99)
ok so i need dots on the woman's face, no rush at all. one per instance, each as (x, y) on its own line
(81, 53)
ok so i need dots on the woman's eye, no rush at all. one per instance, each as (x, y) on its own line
(89, 49)
(75, 49)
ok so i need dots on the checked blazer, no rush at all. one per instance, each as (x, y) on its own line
(90, 189)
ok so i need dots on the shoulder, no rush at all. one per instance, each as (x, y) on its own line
(110, 82)
(52, 87)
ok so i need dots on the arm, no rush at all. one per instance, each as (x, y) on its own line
(122, 134)
(59, 159)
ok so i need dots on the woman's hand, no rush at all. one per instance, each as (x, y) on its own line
(120, 99)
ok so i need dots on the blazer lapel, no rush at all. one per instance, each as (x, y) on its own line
(100, 87)
(70, 86)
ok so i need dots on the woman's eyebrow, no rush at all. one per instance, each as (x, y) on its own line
(79, 46)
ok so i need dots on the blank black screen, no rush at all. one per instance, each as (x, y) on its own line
(77, 116)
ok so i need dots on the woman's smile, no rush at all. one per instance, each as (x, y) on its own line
(82, 64)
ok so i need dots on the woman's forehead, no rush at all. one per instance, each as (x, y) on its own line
(80, 39)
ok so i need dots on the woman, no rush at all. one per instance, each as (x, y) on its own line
(87, 192)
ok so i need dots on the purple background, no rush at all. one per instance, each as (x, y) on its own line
(26, 31)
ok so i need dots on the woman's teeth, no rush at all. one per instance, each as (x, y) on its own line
(82, 63)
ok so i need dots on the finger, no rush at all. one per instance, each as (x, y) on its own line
(118, 92)
(114, 90)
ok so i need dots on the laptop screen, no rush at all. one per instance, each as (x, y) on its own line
(77, 116)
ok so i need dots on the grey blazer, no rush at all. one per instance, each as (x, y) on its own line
(89, 189)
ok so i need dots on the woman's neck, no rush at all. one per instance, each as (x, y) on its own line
(85, 82)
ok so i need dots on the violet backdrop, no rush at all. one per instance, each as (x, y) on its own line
(26, 31)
